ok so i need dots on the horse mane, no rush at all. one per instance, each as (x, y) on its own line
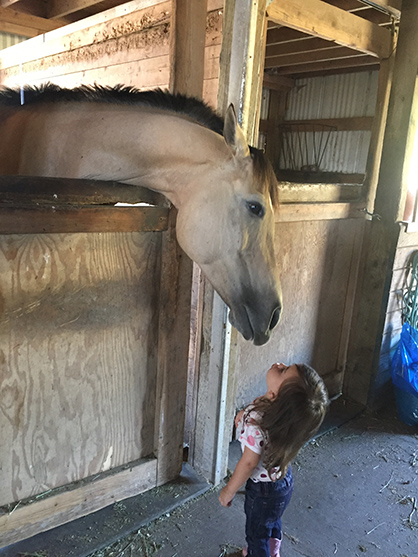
(191, 107)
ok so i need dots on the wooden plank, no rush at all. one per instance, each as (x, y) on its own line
(340, 124)
(30, 190)
(401, 123)
(331, 65)
(290, 192)
(296, 212)
(378, 128)
(91, 219)
(325, 21)
(277, 82)
(307, 45)
(294, 59)
(172, 356)
(187, 71)
(53, 511)
(188, 46)
(60, 8)
(24, 21)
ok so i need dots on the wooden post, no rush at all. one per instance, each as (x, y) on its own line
(380, 240)
(240, 83)
(187, 64)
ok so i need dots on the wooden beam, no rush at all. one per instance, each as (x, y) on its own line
(53, 511)
(88, 219)
(323, 55)
(401, 125)
(297, 212)
(304, 45)
(278, 82)
(340, 124)
(188, 46)
(325, 21)
(60, 8)
(25, 24)
(351, 62)
(380, 244)
(19, 191)
(374, 155)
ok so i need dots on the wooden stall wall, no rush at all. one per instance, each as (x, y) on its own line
(92, 323)
(318, 263)
(79, 324)
(128, 45)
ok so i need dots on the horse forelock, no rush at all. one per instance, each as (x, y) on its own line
(265, 176)
(191, 107)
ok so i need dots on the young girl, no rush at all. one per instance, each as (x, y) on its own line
(272, 430)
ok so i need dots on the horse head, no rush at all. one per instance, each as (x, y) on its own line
(227, 228)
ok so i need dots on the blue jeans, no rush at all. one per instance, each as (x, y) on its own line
(265, 503)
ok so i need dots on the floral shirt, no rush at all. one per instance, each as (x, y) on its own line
(250, 435)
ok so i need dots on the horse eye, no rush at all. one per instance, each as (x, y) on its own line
(256, 208)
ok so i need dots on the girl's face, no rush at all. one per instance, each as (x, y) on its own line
(276, 375)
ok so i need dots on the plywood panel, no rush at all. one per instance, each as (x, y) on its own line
(78, 322)
(315, 259)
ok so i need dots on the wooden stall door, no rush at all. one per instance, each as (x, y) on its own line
(92, 370)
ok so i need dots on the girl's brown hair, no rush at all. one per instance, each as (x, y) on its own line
(292, 417)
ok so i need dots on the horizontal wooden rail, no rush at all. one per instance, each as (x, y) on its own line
(27, 520)
(87, 219)
(18, 191)
(297, 212)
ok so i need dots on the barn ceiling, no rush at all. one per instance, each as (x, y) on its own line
(290, 52)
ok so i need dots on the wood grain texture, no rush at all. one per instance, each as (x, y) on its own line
(78, 325)
(53, 511)
(314, 260)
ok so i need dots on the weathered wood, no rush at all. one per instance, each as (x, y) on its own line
(88, 219)
(401, 123)
(328, 22)
(290, 192)
(278, 82)
(18, 191)
(340, 124)
(172, 357)
(60, 8)
(12, 21)
(296, 212)
(378, 129)
(188, 46)
(306, 177)
(29, 519)
(293, 60)
(328, 65)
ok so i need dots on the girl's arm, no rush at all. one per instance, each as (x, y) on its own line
(242, 472)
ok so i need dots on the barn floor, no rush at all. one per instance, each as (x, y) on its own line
(356, 493)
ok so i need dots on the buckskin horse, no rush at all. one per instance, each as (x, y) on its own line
(224, 190)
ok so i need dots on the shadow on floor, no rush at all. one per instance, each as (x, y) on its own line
(355, 492)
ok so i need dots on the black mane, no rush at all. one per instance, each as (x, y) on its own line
(194, 108)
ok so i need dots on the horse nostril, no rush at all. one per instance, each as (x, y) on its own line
(275, 318)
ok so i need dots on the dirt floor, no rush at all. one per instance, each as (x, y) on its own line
(356, 493)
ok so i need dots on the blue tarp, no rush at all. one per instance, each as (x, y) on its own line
(405, 361)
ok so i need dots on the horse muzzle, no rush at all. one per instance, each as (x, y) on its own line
(252, 326)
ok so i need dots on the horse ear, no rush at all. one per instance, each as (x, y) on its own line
(234, 135)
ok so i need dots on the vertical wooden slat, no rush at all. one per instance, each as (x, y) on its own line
(187, 56)
(379, 246)
(240, 83)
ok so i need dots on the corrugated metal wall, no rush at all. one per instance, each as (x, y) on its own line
(8, 39)
(334, 96)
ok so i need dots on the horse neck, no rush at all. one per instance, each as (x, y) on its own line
(133, 145)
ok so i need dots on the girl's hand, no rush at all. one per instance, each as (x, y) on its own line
(225, 497)
(238, 417)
